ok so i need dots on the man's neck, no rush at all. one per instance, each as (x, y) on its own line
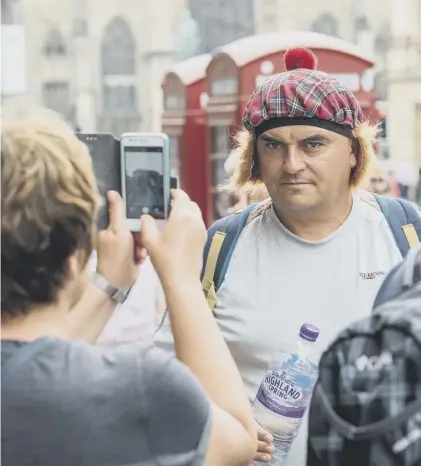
(38, 323)
(316, 224)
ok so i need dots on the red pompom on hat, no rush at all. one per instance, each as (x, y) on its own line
(298, 57)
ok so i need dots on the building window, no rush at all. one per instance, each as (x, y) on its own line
(382, 43)
(219, 138)
(219, 175)
(269, 11)
(118, 49)
(174, 102)
(219, 24)
(119, 81)
(326, 24)
(380, 85)
(224, 86)
(219, 153)
(56, 96)
(80, 27)
(54, 44)
(119, 99)
(361, 24)
(175, 155)
(10, 12)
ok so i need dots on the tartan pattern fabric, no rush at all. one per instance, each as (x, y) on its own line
(302, 93)
(371, 373)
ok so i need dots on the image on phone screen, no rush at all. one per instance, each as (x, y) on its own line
(144, 182)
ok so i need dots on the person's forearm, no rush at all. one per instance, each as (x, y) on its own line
(89, 316)
(200, 345)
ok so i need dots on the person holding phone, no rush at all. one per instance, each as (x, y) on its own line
(64, 400)
(137, 318)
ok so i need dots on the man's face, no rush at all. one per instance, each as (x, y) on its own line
(304, 166)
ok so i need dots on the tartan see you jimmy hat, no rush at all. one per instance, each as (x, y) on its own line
(302, 95)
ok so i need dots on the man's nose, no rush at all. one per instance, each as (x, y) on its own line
(293, 161)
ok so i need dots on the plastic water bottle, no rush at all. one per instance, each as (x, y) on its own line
(285, 392)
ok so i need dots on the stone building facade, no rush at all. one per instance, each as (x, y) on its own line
(99, 63)
(404, 84)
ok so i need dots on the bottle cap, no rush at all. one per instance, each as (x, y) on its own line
(309, 332)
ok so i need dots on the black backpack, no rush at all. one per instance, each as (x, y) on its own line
(366, 407)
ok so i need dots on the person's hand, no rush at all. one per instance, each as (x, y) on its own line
(118, 259)
(265, 446)
(177, 250)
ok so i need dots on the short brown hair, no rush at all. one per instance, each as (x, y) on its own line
(242, 178)
(49, 205)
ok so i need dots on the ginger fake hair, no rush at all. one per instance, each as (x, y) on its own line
(365, 135)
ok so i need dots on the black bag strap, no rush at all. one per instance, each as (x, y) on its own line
(352, 432)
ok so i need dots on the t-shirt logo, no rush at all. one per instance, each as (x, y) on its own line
(372, 275)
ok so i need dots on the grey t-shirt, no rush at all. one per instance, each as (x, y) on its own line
(68, 403)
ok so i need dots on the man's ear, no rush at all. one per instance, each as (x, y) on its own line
(355, 149)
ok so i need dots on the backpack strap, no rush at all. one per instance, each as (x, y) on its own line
(214, 250)
(222, 238)
(403, 219)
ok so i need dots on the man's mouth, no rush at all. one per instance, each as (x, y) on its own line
(295, 183)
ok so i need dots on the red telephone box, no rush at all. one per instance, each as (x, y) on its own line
(184, 120)
(237, 68)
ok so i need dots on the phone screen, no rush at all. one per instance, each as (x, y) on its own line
(144, 182)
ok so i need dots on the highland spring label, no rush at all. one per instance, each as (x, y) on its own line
(279, 394)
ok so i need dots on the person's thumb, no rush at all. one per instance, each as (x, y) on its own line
(148, 231)
(116, 211)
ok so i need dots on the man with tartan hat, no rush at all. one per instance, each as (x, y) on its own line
(319, 248)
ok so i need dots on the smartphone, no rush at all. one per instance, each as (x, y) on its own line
(145, 176)
(105, 152)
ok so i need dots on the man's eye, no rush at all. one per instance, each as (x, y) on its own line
(313, 144)
(272, 145)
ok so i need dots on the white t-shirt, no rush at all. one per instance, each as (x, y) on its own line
(137, 318)
(276, 281)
